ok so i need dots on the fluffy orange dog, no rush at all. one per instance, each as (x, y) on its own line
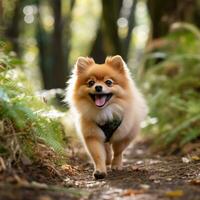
(108, 109)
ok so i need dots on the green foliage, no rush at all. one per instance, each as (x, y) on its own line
(172, 82)
(30, 116)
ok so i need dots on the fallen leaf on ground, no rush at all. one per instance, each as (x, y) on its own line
(2, 165)
(169, 179)
(44, 197)
(185, 160)
(153, 177)
(15, 179)
(135, 168)
(139, 162)
(35, 184)
(130, 192)
(26, 160)
(195, 158)
(175, 193)
(190, 147)
(1, 123)
(145, 186)
(69, 169)
(195, 182)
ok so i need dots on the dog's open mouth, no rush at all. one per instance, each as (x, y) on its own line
(101, 99)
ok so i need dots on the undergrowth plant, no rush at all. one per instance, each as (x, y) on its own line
(25, 119)
(171, 77)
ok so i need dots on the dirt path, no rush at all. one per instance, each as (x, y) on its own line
(145, 176)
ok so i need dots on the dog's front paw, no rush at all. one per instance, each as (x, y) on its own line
(99, 175)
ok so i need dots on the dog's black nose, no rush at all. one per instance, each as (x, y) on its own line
(98, 88)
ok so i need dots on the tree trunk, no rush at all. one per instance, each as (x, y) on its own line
(110, 15)
(67, 36)
(1, 13)
(127, 40)
(97, 51)
(59, 71)
(45, 58)
(13, 30)
(54, 48)
(107, 41)
(164, 13)
(197, 13)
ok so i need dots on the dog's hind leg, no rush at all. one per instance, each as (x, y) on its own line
(118, 148)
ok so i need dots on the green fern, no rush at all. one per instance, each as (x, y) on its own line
(19, 104)
(173, 89)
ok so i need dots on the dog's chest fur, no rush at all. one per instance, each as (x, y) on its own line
(108, 114)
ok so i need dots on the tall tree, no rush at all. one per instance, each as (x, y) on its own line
(67, 35)
(131, 23)
(59, 70)
(54, 48)
(164, 13)
(108, 41)
(1, 13)
(13, 28)
(45, 59)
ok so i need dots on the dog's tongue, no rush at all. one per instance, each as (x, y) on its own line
(100, 100)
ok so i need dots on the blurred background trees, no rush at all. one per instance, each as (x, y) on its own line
(52, 27)
(48, 27)
(109, 40)
(158, 39)
(164, 13)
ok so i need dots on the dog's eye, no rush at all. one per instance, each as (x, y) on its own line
(109, 82)
(90, 83)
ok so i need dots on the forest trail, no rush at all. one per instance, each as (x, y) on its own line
(145, 176)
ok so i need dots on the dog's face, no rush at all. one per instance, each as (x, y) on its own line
(100, 85)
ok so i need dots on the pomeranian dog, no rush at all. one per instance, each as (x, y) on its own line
(107, 108)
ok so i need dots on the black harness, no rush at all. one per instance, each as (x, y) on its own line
(109, 128)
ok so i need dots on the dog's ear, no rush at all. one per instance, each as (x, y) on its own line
(116, 62)
(82, 63)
